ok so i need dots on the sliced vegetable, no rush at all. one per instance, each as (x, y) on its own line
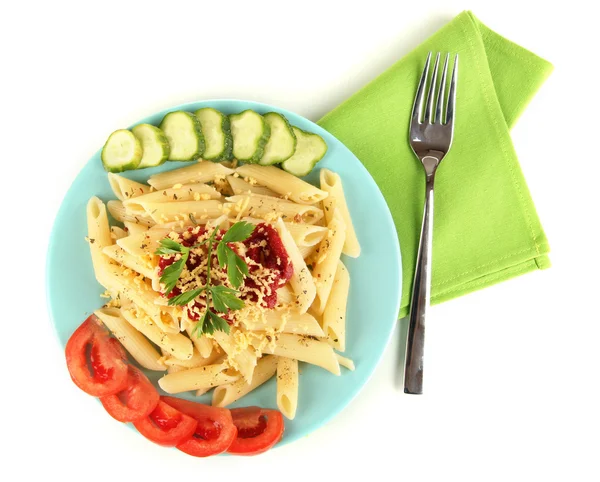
(135, 402)
(282, 143)
(250, 134)
(122, 151)
(217, 134)
(185, 137)
(155, 145)
(214, 433)
(310, 149)
(104, 372)
(166, 425)
(258, 430)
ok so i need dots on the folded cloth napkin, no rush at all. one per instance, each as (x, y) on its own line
(486, 229)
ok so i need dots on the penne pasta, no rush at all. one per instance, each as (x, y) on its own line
(126, 188)
(271, 208)
(139, 291)
(98, 237)
(307, 252)
(334, 314)
(284, 322)
(134, 228)
(239, 186)
(345, 362)
(227, 394)
(180, 211)
(301, 282)
(143, 244)
(287, 386)
(306, 234)
(203, 344)
(241, 359)
(132, 340)
(197, 378)
(117, 233)
(307, 323)
(283, 183)
(118, 254)
(195, 361)
(175, 344)
(118, 211)
(285, 295)
(328, 255)
(187, 192)
(307, 349)
(332, 184)
(201, 172)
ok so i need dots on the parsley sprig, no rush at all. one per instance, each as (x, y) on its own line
(221, 297)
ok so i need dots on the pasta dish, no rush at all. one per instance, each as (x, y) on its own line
(225, 276)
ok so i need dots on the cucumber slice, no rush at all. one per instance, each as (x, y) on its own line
(250, 134)
(310, 149)
(122, 151)
(154, 144)
(282, 143)
(185, 137)
(217, 134)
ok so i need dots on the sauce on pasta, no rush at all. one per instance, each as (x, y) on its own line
(269, 267)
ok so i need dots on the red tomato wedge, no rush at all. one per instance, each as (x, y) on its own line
(95, 363)
(215, 431)
(258, 430)
(135, 402)
(166, 425)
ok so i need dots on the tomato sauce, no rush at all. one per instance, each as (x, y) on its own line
(264, 247)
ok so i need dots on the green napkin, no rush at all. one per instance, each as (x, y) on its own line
(486, 229)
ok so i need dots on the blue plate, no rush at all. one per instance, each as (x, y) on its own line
(375, 286)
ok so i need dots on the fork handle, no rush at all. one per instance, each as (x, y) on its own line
(413, 370)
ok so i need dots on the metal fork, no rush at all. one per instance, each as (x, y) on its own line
(430, 139)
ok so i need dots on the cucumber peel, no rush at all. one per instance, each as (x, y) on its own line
(250, 134)
(217, 134)
(122, 151)
(184, 133)
(310, 149)
(154, 144)
(282, 143)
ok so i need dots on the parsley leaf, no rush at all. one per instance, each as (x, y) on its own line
(224, 298)
(240, 231)
(222, 254)
(185, 297)
(171, 273)
(216, 324)
(168, 246)
(236, 268)
(199, 328)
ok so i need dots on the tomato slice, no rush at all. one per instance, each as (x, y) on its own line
(135, 402)
(102, 372)
(166, 425)
(258, 430)
(215, 431)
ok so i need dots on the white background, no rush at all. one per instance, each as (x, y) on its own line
(512, 372)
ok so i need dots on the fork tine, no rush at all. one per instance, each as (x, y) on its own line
(418, 105)
(438, 107)
(430, 97)
(452, 93)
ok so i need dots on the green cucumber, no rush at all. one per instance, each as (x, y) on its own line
(217, 134)
(310, 149)
(282, 143)
(250, 134)
(154, 144)
(185, 137)
(122, 151)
